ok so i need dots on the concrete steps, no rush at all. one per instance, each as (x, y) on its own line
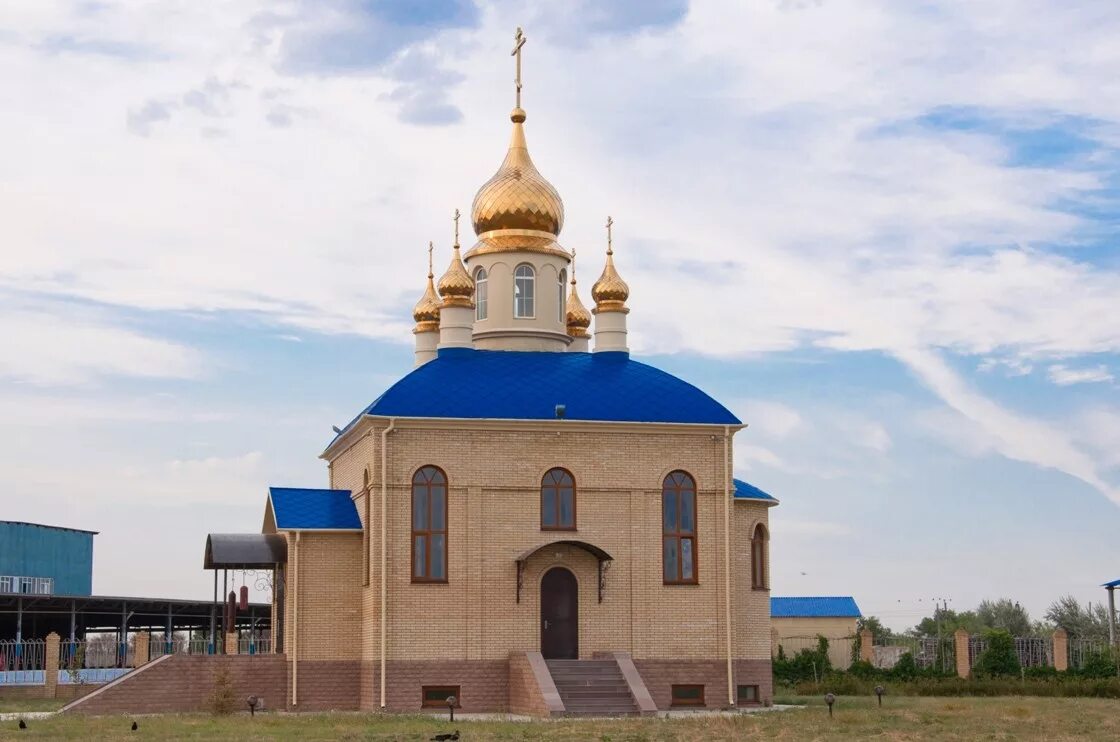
(592, 688)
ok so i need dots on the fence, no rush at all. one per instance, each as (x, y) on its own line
(839, 648)
(22, 662)
(927, 651)
(1082, 650)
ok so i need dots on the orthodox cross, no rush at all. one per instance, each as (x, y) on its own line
(573, 266)
(610, 223)
(431, 247)
(519, 39)
(456, 218)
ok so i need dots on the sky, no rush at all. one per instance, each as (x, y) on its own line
(883, 233)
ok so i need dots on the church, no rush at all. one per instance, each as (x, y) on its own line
(529, 521)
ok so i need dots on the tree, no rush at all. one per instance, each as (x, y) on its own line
(1003, 614)
(1084, 622)
(1000, 658)
(875, 626)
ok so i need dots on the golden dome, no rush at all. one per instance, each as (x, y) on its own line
(518, 196)
(610, 292)
(577, 316)
(426, 311)
(456, 285)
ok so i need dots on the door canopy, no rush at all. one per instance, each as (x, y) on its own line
(601, 556)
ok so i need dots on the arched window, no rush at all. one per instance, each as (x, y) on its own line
(481, 293)
(678, 528)
(429, 525)
(558, 501)
(524, 291)
(759, 555)
(560, 295)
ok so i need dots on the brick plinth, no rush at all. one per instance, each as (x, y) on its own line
(327, 685)
(661, 675)
(181, 683)
(484, 684)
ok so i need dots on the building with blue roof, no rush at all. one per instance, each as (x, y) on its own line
(528, 496)
(798, 622)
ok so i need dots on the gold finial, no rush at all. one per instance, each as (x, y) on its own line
(519, 41)
(426, 311)
(610, 292)
(456, 285)
(577, 318)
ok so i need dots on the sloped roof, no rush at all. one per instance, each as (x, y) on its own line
(528, 385)
(312, 509)
(747, 491)
(244, 551)
(814, 607)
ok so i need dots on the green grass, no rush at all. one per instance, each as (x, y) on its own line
(855, 719)
(8, 705)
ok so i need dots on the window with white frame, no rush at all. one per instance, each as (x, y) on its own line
(560, 294)
(26, 585)
(481, 294)
(7, 584)
(524, 292)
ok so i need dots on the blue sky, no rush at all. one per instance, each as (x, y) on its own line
(884, 235)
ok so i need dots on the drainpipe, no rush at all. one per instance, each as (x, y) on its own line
(1111, 617)
(384, 552)
(727, 558)
(295, 618)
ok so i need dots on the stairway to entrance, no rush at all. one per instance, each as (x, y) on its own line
(592, 688)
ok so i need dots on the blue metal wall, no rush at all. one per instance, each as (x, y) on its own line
(29, 550)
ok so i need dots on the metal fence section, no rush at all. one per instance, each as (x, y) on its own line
(929, 652)
(21, 662)
(1035, 651)
(1081, 650)
(254, 645)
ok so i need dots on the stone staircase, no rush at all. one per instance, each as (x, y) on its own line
(592, 688)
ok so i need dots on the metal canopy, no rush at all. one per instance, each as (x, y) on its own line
(245, 551)
(600, 555)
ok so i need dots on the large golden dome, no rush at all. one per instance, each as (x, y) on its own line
(518, 196)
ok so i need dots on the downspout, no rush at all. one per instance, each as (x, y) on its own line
(727, 559)
(295, 618)
(384, 551)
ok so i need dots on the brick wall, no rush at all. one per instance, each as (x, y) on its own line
(494, 479)
(182, 683)
(661, 675)
(326, 685)
(525, 696)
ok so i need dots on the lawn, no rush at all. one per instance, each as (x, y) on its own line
(855, 718)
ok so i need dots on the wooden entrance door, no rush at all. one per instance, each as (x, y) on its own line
(559, 615)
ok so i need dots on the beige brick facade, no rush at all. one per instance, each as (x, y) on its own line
(494, 472)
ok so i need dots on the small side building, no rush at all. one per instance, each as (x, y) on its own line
(38, 559)
(795, 624)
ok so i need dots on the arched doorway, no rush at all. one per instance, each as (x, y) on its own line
(559, 615)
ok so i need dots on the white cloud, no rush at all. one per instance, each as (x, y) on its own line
(768, 419)
(781, 527)
(1064, 376)
(45, 348)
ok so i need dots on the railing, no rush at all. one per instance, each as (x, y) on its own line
(97, 654)
(254, 645)
(927, 651)
(1082, 650)
(1035, 651)
(22, 662)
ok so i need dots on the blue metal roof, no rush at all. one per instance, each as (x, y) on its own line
(306, 509)
(528, 385)
(1114, 583)
(814, 607)
(747, 491)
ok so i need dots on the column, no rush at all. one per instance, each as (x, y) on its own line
(141, 649)
(50, 666)
(960, 645)
(867, 646)
(231, 642)
(1061, 650)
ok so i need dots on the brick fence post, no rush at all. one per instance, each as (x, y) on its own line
(141, 649)
(50, 666)
(1061, 650)
(231, 642)
(867, 646)
(960, 646)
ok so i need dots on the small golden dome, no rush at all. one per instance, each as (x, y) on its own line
(456, 285)
(610, 292)
(577, 316)
(426, 311)
(518, 196)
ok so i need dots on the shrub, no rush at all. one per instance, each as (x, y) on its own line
(905, 669)
(864, 670)
(222, 700)
(1000, 658)
(806, 665)
(1101, 664)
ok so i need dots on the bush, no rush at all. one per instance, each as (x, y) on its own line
(806, 665)
(905, 669)
(1101, 664)
(222, 700)
(1060, 685)
(1000, 658)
